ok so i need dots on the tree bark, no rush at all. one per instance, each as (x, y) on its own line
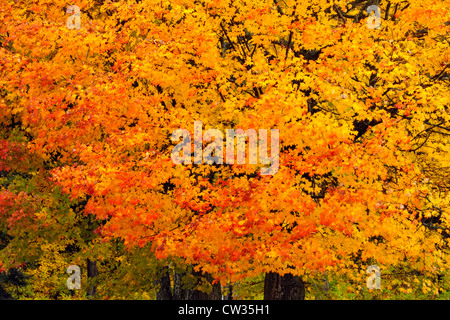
(164, 291)
(323, 290)
(216, 292)
(192, 293)
(4, 295)
(185, 286)
(287, 287)
(92, 272)
(178, 292)
(229, 296)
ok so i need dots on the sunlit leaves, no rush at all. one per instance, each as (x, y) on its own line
(362, 115)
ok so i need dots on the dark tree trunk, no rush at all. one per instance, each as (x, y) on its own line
(92, 272)
(199, 295)
(164, 291)
(215, 294)
(185, 285)
(323, 289)
(191, 293)
(4, 295)
(287, 287)
(179, 293)
(229, 296)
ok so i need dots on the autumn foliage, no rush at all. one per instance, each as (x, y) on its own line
(362, 113)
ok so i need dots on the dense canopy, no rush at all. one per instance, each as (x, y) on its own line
(361, 105)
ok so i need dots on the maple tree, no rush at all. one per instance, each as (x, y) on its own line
(362, 116)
